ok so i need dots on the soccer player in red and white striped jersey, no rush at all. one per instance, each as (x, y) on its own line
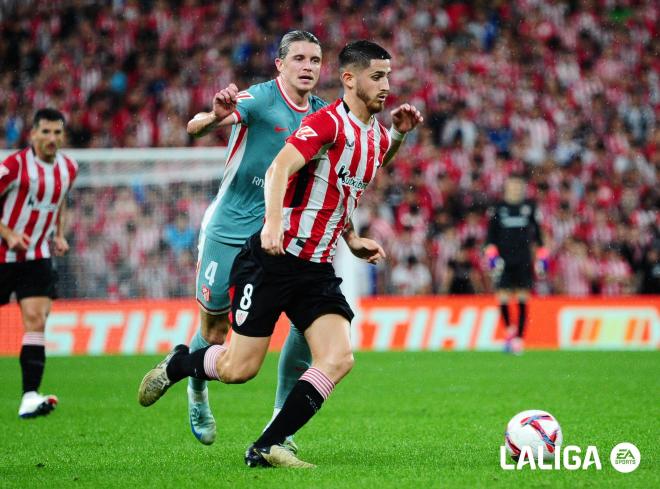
(33, 187)
(312, 188)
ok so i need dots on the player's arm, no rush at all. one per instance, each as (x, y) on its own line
(224, 105)
(60, 244)
(15, 241)
(363, 248)
(542, 254)
(287, 162)
(404, 119)
(495, 262)
(8, 178)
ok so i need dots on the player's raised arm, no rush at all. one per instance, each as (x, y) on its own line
(288, 161)
(224, 104)
(404, 119)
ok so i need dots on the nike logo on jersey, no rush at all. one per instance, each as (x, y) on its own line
(280, 129)
(305, 132)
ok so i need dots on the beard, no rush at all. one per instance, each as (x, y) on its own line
(373, 104)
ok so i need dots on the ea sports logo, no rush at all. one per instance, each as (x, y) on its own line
(625, 457)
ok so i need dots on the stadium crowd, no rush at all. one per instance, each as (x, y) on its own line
(565, 92)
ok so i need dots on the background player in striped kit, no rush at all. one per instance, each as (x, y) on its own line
(262, 116)
(33, 187)
(312, 188)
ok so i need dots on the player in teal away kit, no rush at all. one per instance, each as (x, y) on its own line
(262, 116)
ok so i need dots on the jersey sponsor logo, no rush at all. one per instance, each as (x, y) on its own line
(3, 171)
(305, 132)
(346, 179)
(241, 316)
(42, 206)
(350, 143)
(280, 129)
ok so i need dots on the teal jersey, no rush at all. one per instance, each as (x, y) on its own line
(266, 117)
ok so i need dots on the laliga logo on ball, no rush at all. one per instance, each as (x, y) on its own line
(534, 438)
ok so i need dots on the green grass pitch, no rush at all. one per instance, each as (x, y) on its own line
(399, 420)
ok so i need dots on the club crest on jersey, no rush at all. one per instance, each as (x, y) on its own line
(346, 179)
(305, 132)
(206, 293)
(241, 316)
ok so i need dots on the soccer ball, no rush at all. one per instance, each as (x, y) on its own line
(533, 428)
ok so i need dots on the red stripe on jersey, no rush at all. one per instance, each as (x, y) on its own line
(298, 211)
(355, 163)
(331, 199)
(241, 134)
(22, 191)
(72, 166)
(384, 142)
(41, 178)
(57, 190)
(296, 214)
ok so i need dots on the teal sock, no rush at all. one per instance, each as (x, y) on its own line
(295, 359)
(197, 343)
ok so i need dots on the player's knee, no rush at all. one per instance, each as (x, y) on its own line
(339, 365)
(215, 328)
(35, 320)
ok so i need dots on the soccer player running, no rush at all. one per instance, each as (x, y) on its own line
(312, 188)
(33, 187)
(262, 116)
(512, 230)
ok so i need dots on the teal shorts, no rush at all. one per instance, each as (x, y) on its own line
(214, 263)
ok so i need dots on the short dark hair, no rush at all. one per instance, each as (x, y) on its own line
(294, 36)
(360, 53)
(49, 115)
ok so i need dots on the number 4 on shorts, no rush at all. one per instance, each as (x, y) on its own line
(209, 273)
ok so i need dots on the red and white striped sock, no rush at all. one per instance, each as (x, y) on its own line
(34, 338)
(211, 360)
(319, 381)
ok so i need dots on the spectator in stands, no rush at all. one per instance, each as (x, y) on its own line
(566, 93)
(411, 277)
(180, 236)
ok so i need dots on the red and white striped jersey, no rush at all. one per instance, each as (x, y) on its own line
(31, 192)
(342, 155)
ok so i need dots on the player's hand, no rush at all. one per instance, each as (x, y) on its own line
(541, 263)
(60, 245)
(406, 117)
(224, 102)
(17, 242)
(272, 237)
(366, 249)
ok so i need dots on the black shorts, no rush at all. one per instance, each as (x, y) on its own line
(516, 276)
(262, 286)
(32, 278)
